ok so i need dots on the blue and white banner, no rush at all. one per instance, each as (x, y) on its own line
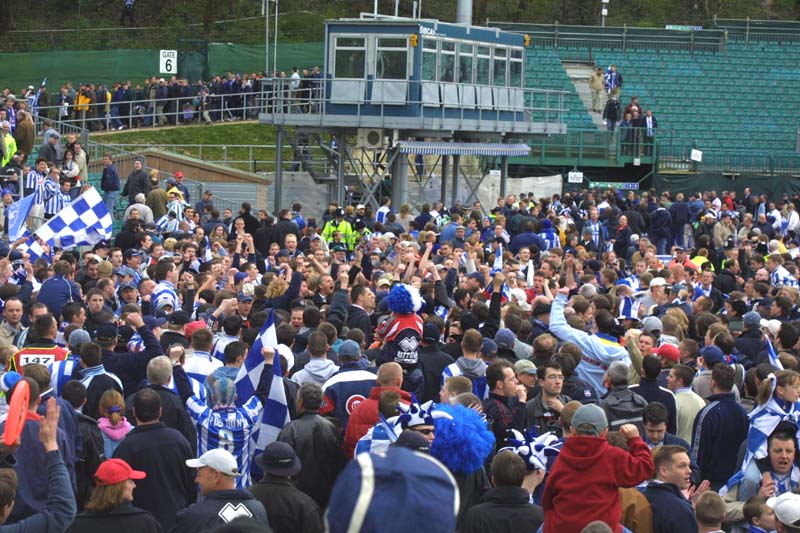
(18, 213)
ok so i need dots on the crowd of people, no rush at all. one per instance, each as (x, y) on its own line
(158, 101)
(592, 361)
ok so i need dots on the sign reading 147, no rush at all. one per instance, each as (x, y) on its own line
(168, 61)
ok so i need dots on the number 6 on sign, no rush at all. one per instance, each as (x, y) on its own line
(168, 61)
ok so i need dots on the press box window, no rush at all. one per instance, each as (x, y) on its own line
(465, 63)
(499, 73)
(515, 69)
(448, 62)
(483, 66)
(351, 57)
(428, 60)
(392, 61)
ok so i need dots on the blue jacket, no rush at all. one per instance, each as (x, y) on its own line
(110, 180)
(719, 430)
(661, 223)
(57, 292)
(671, 511)
(32, 471)
(345, 390)
(60, 509)
(526, 239)
(652, 392)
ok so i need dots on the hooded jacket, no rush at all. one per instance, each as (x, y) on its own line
(316, 371)
(474, 369)
(584, 482)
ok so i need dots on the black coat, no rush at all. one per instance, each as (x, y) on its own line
(358, 318)
(162, 453)
(204, 516)
(283, 228)
(289, 510)
(671, 511)
(751, 343)
(124, 519)
(315, 440)
(131, 368)
(433, 363)
(173, 413)
(503, 509)
(138, 182)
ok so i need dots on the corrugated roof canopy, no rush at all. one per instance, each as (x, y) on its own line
(456, 148)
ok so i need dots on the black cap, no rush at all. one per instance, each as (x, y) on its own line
(179, 318)
(431, 332)
(279, 459)
(132, 252)
(106, 331)
(413, 440)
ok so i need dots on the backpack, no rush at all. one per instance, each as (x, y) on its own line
(624, 407)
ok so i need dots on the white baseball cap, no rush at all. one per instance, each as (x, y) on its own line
(787, 508)
(218, 459)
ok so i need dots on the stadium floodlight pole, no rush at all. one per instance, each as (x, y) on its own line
(275, 48)
(603, 12)
(265, 11)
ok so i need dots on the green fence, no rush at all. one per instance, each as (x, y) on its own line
(108, 66)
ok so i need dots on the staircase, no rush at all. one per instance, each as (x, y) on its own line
(579, 75)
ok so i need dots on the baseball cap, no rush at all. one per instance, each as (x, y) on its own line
(751, 319)
(669, 352)
(479, 277)
(652, 323)
(179, 318)
(153, 322)
(178, 174)
(488, 347)
(243, 297)
(338, 247)
(349, 348)
(106, 331)
(193, 326)
(239, 277)
(712, 355)
(279, 459)
(115, 471)
(77, 338)
(217, 459)
(504, 338)
(787, 508)
(431, 332)
(384, 282)
(126, 271)
(524, 366)
(361, 206)
(132, 252)
(658, 282)
(390, 235)
(102, 244)
(413, 440)
(591, 417)
(124, 286)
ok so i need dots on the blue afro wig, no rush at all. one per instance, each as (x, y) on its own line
(464, 442)
(404, 299)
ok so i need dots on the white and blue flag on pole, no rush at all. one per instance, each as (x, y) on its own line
(774, 360)
(275, 414)
(497, 266)
(84, 222)
(17, 215)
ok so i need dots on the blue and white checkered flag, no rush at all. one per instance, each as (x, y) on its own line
(85, 221)
(275, 414)
(17, 214)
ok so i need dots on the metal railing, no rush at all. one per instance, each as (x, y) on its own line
(594, 147)
(386, 103)
(130, 114)
(610, 37)
(250, 157)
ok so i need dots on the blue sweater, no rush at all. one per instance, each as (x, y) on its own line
(671, 511)
(719, 430)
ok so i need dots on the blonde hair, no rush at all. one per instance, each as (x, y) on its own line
(783, 378)
(276, 288)
(106, 497)
(109, 402)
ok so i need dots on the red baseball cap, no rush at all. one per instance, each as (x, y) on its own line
(115, 471)
(178, 174)
(669, 352)
(191, 327)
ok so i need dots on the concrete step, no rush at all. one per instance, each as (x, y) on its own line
(579, 74)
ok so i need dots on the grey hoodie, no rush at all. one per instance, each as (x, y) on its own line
(316, 371)
(472, 368)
